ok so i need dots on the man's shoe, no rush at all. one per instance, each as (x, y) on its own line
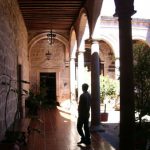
(82, 141)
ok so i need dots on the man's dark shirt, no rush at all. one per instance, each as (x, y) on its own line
(84, 105)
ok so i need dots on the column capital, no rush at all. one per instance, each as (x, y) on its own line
(72, 58)
(80, 52)
(124, 9)
(92, 41)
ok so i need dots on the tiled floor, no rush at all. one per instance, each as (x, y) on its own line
(58, 132)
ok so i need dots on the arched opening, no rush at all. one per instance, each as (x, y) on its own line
(73, 80)
(83, 34)
(49, 76)
(107, 60)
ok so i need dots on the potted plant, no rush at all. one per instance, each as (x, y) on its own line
(104, 115)
(108, 92)
(109, 89)
(33, 103)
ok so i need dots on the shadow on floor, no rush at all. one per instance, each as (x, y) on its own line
(111, 134)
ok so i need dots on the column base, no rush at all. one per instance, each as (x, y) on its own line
(98, 128)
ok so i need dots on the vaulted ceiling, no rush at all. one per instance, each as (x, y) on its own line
(47, 14)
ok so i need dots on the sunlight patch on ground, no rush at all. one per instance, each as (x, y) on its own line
(68, 110)
(113, 116)
(67, 116)
(70, 107)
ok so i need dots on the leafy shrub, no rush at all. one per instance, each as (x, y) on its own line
(141, 70)
(108, 88)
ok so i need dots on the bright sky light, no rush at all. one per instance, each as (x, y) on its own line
(141, 6)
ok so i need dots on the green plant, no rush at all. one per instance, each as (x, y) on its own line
(142, 79)
(37, 100)
(108, 88)
(141, 70)
(43, 94)
(33, 103)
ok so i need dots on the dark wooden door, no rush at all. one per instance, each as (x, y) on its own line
(48, 84)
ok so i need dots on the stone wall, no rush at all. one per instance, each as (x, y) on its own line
(13, 50)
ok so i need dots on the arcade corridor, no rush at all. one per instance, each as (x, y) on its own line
(52, 36)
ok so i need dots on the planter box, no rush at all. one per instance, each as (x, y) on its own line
(104, 116)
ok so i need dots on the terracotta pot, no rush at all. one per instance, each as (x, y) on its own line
(104, 116)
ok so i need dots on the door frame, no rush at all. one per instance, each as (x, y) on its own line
(49, 74)
(57, 71)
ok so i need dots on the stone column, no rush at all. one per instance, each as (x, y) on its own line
(72, 79)
(124, 11)
(95, 86)
(117, 68)
(80, 72)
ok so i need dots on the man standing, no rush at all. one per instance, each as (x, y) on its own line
(83, 115)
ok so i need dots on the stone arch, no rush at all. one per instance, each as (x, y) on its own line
(73, 50)
(73, 43)
(82, 35)
(112, 42)
(107, 59)
(83, 30)
(57, 64)
(42, 36)
(97, 30)
(139, 41)
(109, 43)
(140, 38)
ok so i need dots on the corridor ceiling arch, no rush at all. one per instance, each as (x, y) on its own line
(42, 36)
(93, 8)
(83, 30)
(73, 44)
